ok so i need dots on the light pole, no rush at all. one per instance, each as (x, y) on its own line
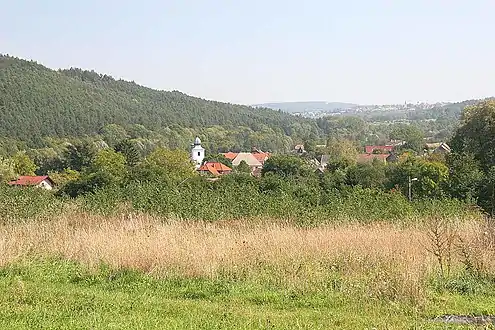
(410, 181)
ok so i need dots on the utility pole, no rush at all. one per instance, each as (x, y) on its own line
(410, 181)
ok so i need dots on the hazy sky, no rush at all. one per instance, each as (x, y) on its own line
(254, 51)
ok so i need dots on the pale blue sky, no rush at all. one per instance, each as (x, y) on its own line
(256, 51)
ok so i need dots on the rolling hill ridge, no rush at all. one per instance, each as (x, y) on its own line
(36, 102)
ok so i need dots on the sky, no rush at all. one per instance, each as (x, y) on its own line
(257, 51)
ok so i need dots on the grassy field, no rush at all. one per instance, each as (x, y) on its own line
(140, 272)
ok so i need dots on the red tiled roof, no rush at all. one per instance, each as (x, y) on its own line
(362, 158)
(29, 180)
(261, 157)
(369, 149)
(230, 155)
(214, 168)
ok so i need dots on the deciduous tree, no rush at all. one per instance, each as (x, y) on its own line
(23, 165)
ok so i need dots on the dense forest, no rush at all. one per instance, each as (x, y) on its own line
(37, 103)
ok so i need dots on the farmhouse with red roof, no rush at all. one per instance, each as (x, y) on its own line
(43, 182)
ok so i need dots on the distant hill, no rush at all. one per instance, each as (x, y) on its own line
(300, 107)
(36, 102)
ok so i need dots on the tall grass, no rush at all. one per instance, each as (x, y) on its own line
(378, 260)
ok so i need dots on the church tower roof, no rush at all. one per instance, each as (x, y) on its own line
(197, 141)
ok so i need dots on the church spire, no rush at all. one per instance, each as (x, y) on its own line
(197, 152)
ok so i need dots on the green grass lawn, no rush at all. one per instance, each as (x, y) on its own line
(56, 294)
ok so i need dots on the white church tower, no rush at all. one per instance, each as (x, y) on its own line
(197, 152)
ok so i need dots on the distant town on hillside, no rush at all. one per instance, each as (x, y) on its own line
(322, 109)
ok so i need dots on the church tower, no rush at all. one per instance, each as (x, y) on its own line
(197, 152)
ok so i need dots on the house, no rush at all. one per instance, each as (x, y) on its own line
(249, 158)
(214, 168)
(443, 148)
(261, 156)
(254, 159)
(230, 155)
(324, 160)
(43, 182)
(396, 143)
(432, 146)
(383, 149)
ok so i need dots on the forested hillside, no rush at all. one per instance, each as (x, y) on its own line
(37, 102)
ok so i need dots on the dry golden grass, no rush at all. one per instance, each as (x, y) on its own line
(385, 259)
(202, 249)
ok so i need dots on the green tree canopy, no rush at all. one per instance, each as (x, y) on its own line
(7, 171)
(111, 163)
(473, 154)
(342, 153)
(476, 134)
(172, 164)
(286, 165)
(129, 151)
(113, 134)
(78, 103)
(431, 177)
(411, 134)
(243, 167)
(80, 155)
(367, 175)
(23, 165)
(465, 177)
(65, 176)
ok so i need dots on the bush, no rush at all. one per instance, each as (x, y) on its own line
(20, 204)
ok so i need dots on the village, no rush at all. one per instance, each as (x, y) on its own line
(255, 159)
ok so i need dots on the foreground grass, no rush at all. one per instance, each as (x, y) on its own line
(58, 294)
(139, 272)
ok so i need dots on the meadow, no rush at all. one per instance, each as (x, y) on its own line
(135, 270)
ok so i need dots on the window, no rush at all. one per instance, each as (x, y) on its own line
(199, 153)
